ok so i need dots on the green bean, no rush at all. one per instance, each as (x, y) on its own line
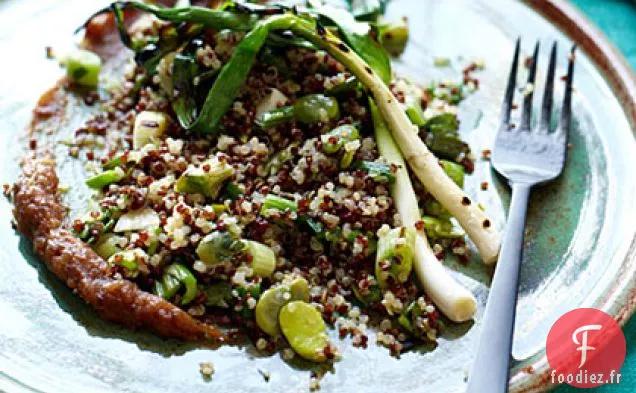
(287, 41)
(216, 18)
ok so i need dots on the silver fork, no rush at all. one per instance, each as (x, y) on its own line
(526, 156)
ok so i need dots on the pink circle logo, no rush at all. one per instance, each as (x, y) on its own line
(586, 348)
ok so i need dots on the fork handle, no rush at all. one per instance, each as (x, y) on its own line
(491, 369)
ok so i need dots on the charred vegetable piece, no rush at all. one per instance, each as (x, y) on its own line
(149, 128)
(333, 141)
(82, 67)
(377, 171)
(218, 247)
(206, 179)
(395, 255)
(274, 298)
(105, 178)
(394, 36)
(263, 259)
(304, 329)
(437, 228)
(273, 204)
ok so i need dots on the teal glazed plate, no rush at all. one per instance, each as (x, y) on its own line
(580, 241)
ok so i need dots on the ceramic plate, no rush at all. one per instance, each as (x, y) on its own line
(580, 248)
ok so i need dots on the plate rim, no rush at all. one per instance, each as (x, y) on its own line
(619, 301)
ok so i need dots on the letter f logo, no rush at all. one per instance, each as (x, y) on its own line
(583, 345)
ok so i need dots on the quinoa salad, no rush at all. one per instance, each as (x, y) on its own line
(257, 172)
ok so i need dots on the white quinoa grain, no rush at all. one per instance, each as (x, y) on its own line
(206, 369)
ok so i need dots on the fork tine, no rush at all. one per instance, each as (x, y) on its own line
(566, 109)
(526, 115)
(546, 107)
(510, 90)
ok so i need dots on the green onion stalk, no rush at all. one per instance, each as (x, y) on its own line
(455, 301)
